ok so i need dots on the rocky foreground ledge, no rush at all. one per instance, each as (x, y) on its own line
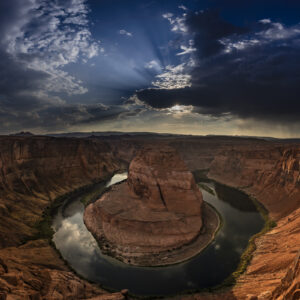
(155, 218)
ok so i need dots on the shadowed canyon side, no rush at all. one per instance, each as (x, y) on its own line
(35, 170)
(270, 173)
(158, 210)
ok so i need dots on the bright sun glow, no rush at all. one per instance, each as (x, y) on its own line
(180, 109)
(176, 108)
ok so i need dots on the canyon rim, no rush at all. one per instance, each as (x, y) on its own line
(268, 170)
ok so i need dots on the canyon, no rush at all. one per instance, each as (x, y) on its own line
(36, 170)
(145, 220)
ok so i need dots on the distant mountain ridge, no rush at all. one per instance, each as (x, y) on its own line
(157, 134)
(22, 133)
(149, 134)
(110, 133)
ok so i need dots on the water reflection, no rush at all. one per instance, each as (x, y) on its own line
(235, 198)
(117, 178)
(209, 268)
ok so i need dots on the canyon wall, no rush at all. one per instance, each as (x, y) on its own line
(35, 170)
(272, 174)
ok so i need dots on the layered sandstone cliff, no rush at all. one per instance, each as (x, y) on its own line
(34, 170)
(272, 174)
(161, 178)
(35, 271)
(158, 209)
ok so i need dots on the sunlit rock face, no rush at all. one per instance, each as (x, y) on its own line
(157, 209)
(162, 180)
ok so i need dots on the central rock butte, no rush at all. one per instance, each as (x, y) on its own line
(158, 210)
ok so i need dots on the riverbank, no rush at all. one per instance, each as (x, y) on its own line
(192, 248)
(211, 225)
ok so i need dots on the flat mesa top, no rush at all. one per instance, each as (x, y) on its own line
(127, 206)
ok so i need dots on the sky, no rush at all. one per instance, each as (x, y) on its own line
(190, 66)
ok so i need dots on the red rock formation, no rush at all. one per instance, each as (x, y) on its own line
(35, 271)
(269, 173)
(161, 178)
(158, 209)
(34, 170)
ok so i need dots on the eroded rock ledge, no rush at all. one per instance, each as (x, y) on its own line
(156, 217)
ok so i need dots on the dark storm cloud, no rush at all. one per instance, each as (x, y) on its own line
(68, 115)
(15, 77)
(247, 73)
(37, 40)
(50, 61)
(62, 117)
(208, 28)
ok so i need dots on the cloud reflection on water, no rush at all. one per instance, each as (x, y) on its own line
(215, 263)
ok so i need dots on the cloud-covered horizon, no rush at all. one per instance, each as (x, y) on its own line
(38, 40)
(185, 67)
(244, 72)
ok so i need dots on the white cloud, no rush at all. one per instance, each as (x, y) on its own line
(61, 37)
(278, 31)
(173, 78)
(179, 111)
(177, 23)
(78, 20)
(275, 31)
(238, 45)
(153, 64)
(187, 49)
(182, 7)
(167, 15)
(265, 21)
(125, 32)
